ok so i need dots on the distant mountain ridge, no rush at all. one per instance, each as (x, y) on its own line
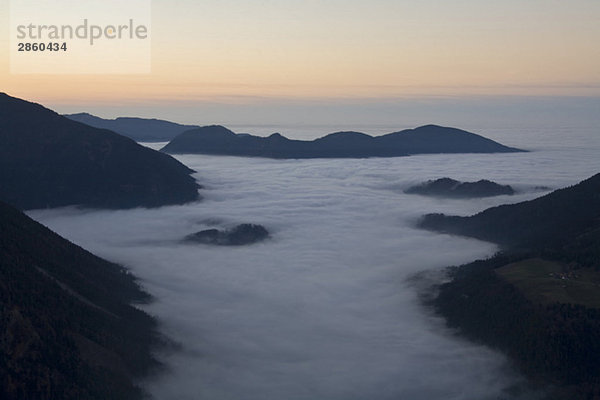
(428, 139)
(47, 160)
(138, 129)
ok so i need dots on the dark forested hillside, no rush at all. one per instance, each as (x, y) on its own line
(558, 218)
(423, 140)
(538, 301)
(67, 330)
(555, 343)
(47, 160)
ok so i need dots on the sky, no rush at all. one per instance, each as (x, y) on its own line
(265, 53)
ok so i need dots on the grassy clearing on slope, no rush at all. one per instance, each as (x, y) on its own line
(548, 282)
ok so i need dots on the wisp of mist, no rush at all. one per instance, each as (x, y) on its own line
(325, 308)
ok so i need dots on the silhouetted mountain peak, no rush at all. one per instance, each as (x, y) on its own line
(431, 129)
(211, 130)
(276, 136)
(345, 136)
(217, 129)
(81, 114)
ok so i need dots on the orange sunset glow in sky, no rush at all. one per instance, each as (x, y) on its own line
(235, 51)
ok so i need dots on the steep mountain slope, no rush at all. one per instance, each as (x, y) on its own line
(47, 160)
(67, 330)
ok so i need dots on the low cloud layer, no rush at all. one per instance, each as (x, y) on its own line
(326, 308)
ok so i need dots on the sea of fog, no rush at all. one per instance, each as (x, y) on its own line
(328, 308)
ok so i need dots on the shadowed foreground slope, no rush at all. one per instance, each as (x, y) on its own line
(67, 330)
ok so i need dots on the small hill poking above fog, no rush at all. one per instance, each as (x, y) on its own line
(427, 139)
(47, 160)
(451, 188)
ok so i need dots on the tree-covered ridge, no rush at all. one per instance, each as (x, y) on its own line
(538, 301)
(568, 218)
(67, 329)
(47, 160)
(556, 345)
